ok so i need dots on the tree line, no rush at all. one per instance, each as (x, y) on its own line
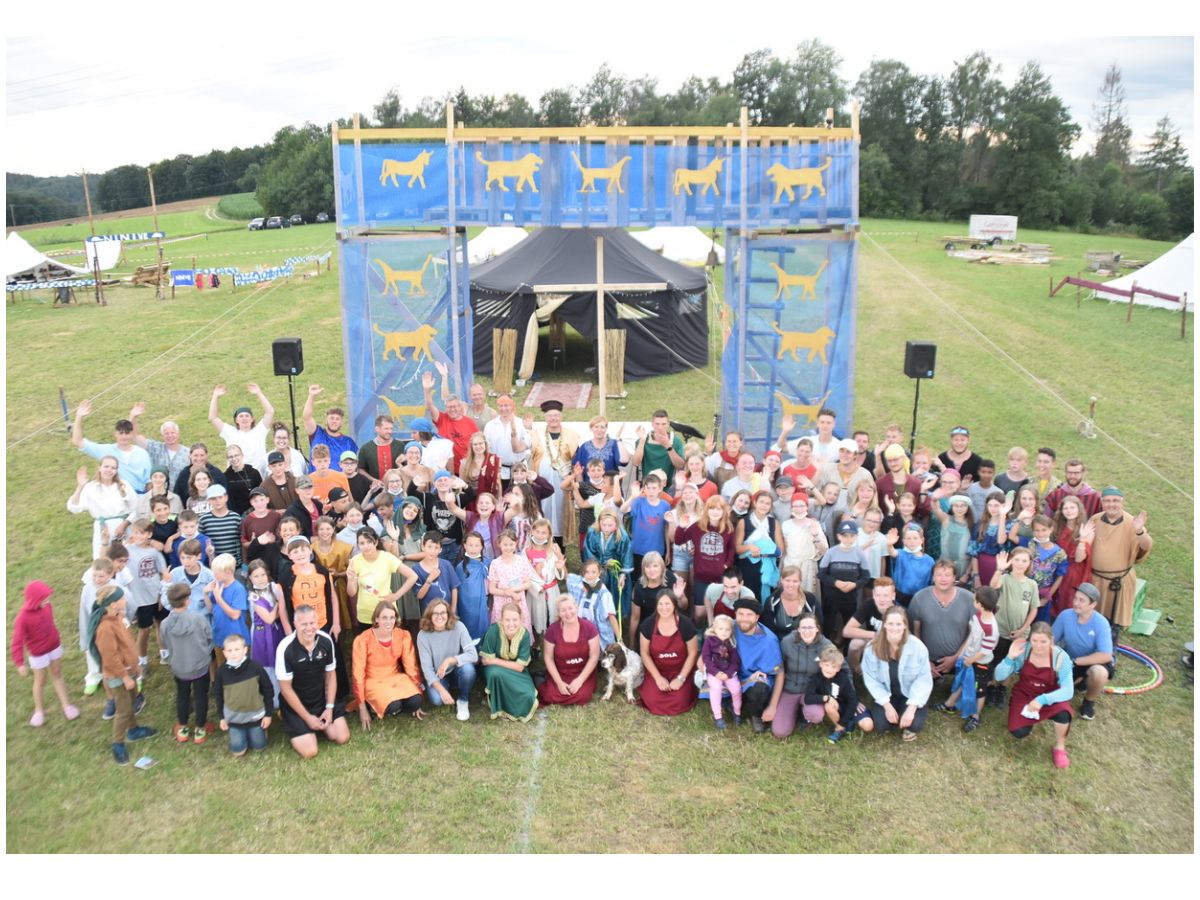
(933, 146)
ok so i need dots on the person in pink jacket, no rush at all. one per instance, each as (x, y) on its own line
(34, 632)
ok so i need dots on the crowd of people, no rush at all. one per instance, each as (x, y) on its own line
(826, 580)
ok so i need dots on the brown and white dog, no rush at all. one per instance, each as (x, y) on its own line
(624, 669)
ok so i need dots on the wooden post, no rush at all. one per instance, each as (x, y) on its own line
(615, 338)
(1129, 311)
(158, 294)
(504, 359)
(87, 198)
(601, 349)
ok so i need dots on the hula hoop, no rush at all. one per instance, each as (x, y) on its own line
(1156, 677)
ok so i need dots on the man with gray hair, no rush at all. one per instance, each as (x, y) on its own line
(168, 453)
(453, 424)
(477, 409)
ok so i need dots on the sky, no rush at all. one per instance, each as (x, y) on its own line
(121, 82)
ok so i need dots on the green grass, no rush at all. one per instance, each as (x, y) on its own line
(612, 778)
(240, 206)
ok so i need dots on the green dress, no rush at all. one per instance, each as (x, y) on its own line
(510, 694)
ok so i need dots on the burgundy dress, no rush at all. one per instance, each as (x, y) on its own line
(1031, 684)
(669, 654)
(1077, 573)
(569, 658)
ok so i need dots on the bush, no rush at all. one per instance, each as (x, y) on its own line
(239, 206)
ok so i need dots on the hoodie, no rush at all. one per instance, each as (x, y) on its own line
(188, 637)
(34, 625)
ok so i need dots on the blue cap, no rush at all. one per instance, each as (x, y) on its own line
(422, 424)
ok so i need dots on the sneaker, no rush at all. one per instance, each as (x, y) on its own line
(162, 656)
(464, 711)
(1087, 710)
(120, 754)
(140, 733)
(837, 734)
(139, 702)
(71, 712)
(720, 723)
(1061, 760)
(970, 724)
(89, 689)
(37, 719)
(199, 735)
(737, 718)
(945, 708)
(182, 734)
(110, 710)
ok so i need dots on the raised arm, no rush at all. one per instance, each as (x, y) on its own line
(310, 424)
(213, 414)
(427, 386)
(268, 415)
(83, 410)
(138, 409)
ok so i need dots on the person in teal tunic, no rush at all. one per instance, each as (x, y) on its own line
(505, 653)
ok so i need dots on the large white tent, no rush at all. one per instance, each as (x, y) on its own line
(23, 263)
(685, 244)
(493, 241)
(1172, 273)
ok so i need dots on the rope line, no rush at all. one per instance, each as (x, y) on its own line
(1005, 356)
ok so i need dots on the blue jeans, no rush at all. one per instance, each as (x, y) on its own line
(243, 736)
(458, 682)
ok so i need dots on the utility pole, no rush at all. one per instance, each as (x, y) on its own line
(87, 197)
(158, 292)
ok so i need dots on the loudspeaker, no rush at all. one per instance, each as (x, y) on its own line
(288, 354)
(919, 359)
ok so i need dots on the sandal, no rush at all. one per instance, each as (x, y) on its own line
(942, 707)
(970, 724)
(908, 736)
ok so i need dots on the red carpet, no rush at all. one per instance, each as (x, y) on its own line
(571, 396)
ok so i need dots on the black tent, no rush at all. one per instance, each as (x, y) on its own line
(666, 327)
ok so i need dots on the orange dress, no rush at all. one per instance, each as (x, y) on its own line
(384, 674)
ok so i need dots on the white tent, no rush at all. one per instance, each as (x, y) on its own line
(682, 244)
(107, 252)
(1172, 273)
(23, 263)
(493, 241)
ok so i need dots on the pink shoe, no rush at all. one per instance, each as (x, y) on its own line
(1061, 760)
(71, 712)
(38, 719)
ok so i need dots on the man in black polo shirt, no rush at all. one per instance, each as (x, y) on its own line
(306, 668)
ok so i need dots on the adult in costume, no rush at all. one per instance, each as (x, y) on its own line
(505, 654)
(669, 652)
(387, 681)
(1119, 541)
(553, 449)
(572, 653)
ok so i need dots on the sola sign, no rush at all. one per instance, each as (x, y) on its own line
(131, 236)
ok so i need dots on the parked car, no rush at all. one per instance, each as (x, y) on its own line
(322, 217)
(256, 224)
(275, 222)
(297, 219)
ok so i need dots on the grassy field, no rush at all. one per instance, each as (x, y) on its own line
(611, 778)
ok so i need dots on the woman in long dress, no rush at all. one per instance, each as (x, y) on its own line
(108, 498)
(505, 654)
(669, 651)
(572, 654)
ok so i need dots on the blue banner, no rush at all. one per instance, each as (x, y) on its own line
(183, 278)
(13, 287)
(617, 183)
(791, 347)
(131, 236)
(401, 318)
(262, 275)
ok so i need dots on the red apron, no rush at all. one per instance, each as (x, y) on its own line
(669, 654)
(1031, 684)
(569, 658)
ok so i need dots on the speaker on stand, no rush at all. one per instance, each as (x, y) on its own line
(920, 360)
(288, 356)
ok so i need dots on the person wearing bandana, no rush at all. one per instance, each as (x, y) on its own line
(109, 641)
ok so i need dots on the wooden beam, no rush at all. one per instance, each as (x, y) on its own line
(580, 288)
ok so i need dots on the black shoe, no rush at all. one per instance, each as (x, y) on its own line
(757, 724)
(998, 703)
(1087, 710)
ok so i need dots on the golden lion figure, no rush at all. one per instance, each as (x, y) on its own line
(414, 277)
(396, 342)
(706, 177)
(522, 169)
(396, 411)
(786, 180)
(806, 411)
(611, 174)
(815, 342)
(785, 281)
(398, 168)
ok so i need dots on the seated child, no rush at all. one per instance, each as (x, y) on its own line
(834, 690)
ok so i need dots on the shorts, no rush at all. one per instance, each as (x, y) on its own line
(294, 726)
(43, 661)
(1079, 673)
(983, 679)
(148, 615)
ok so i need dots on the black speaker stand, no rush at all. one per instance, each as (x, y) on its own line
(912, 436)
(292, 399)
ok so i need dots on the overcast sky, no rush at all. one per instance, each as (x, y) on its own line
(98, 85)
